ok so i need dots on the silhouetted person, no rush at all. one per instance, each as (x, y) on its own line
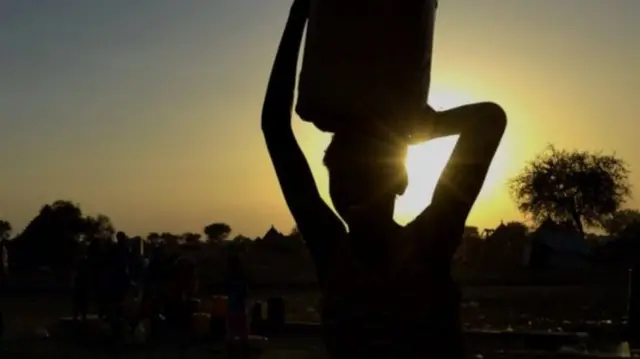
(155, 291)
(4, 268)
(118, 279)
(183, 287)
(237, 293)
(633, 304)
(156, 273)
(82, 290)
(118, 286)
(98, 260)
(136, 265)
(387, 289)
(4, 264)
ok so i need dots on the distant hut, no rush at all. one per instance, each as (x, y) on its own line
(557, 246)
(273, 235)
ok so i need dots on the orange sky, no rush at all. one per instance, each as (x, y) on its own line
(149, 112)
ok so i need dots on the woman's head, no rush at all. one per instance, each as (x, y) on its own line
(366, 173)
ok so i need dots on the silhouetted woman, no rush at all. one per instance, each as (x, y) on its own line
(237, 293)
(81, 290)
(387, 289)
(183, 286)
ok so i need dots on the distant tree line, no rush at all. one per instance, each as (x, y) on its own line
(583, 190)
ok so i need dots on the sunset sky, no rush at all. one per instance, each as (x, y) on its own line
(148, 110)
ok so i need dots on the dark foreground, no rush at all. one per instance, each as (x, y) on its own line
(553, 308)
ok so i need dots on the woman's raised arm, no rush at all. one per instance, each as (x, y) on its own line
(480, 128)
(317, 223)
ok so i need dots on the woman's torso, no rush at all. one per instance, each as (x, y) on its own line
(402, 305)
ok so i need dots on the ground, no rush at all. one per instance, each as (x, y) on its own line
(557, 308)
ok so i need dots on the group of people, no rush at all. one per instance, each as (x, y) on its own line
(127, 288)
(104, 276)
(387, 289)
(161, 290)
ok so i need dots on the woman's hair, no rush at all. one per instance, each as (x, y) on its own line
(358, 154)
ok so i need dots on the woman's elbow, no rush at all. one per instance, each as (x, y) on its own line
(487, 118)
(493, 117)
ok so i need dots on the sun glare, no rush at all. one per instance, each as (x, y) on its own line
(425, 161)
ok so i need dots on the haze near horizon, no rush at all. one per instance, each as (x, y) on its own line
(148, 111)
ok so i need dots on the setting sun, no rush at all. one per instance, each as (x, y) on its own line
(425, 161)
(424, 164)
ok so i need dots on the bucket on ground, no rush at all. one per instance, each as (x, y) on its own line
(218, 317)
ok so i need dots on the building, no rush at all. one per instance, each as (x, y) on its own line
(273, 235)
(557, 246)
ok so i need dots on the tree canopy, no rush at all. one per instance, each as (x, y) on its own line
(583, 187)
(99, 227)
(621, 220)
(217, 232)
(5, 230)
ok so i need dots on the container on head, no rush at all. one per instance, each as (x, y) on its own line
(366, 63)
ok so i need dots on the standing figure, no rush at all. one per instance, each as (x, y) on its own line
(4, 264)
(182, 288)
(82, 290)
(237, 292)
(387, 289)
(4, 269)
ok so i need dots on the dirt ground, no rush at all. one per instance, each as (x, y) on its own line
(546, 308)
